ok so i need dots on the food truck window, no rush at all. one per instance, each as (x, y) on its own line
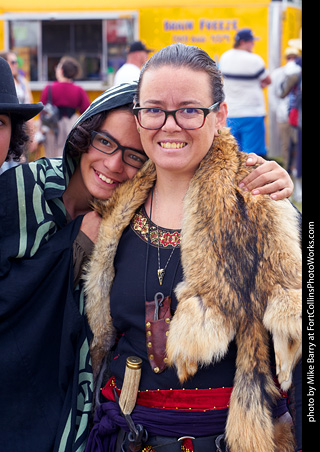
(24, 39)
(99, 45)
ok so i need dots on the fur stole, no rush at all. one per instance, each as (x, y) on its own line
(242, 280)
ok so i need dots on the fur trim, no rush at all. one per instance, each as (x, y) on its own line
(242, 279)
(116, 215)
(284, 438)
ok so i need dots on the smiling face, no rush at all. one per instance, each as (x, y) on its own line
(171, 147)
(5, 136)
(101, 173)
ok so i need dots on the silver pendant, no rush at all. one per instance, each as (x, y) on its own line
(161, 273)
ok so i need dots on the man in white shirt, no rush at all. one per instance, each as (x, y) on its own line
(279, 105)
(137, 56)
(245, 76)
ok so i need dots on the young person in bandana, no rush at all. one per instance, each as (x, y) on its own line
(198, 279)
(47, 231)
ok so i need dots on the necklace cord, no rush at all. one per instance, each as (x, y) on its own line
(147, 253)
(148, 245)
(161, 271)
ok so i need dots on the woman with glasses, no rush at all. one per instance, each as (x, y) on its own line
(194, 286)
(47, 231)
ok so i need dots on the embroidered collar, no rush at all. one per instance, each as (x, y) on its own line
(169, 238)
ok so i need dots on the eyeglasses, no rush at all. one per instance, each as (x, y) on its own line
(188, 118)
(108, 145)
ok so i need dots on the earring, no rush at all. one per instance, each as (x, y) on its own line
(219, 131)
(138, 129)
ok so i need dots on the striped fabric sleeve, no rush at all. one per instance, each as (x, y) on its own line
(31, 208)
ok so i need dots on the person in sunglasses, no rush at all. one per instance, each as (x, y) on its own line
(196, 279)
(21, 83)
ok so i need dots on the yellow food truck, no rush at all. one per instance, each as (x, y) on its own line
(98, 32)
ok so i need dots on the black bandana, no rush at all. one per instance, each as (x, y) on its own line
(112, 98)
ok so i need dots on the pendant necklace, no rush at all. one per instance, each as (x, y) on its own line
(158, 311)
(161, 271)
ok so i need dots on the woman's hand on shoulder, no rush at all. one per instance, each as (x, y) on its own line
(268, 178)
(90, 225)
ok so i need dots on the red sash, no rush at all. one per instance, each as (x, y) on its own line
(177, 399)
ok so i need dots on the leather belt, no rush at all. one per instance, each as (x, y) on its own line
(167, 444)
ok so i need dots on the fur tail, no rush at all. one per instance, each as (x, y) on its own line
(284, 437)
(249, 425)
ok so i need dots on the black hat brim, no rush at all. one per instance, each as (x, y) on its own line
(24, 111)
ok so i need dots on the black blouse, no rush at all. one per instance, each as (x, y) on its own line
(136, 280)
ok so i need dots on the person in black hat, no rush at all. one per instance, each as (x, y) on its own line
(245, 76)
(137, 56)
(13, 117)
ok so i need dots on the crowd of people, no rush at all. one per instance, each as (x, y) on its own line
(152, 236)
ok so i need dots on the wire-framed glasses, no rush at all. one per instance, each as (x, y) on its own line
(188, 118)
(109, 145)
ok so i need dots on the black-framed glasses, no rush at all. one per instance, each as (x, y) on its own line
(109, 145)
(189, 118)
